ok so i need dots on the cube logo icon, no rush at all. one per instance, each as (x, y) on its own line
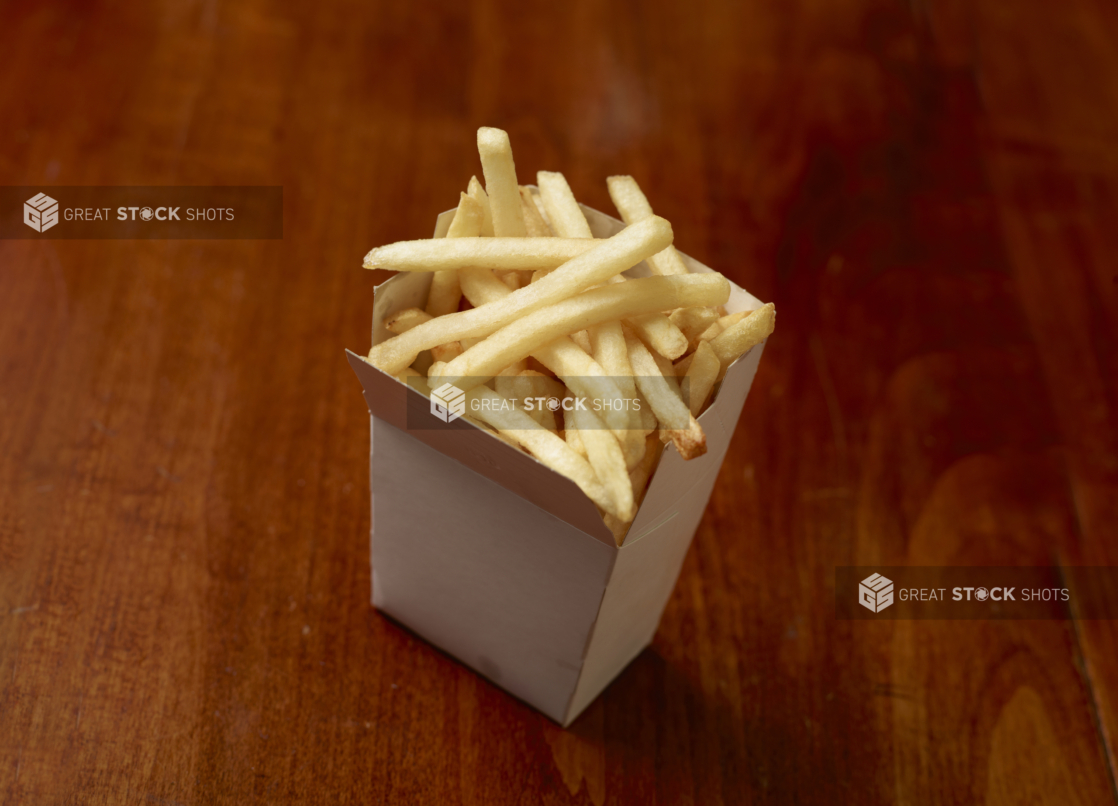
(40, 212)
(875, 593)
(448, 402)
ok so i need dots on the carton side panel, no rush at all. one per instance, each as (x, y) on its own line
(638, 590)
(507, 588)
(649, 561)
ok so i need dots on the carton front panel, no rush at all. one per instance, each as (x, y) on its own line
(504, 586)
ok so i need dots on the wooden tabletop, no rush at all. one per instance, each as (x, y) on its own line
(928, 192)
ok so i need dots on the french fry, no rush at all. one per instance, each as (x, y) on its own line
(732, 319)
(563, 212)
(742, 336)
(692, 322)
(711, 332)
(404, 320)
(481, 286)
(639, 475)
(574, 439)
(657, 331)
(700, 378)
(477, 192)
(587, 379)
(467, 219)
(445, 291)
(582, 339)
(500, 182)
(524, 336)
(510, 278)
(565, 358)
(438, 254)
(607, 346)
(647, 416)
(667, 370)
(530, 389)
(604, 453)
(546, 446)
(633, 207)
(536, 200)
(675, 418)
(534, 224)
(638, 483)
(607, 258)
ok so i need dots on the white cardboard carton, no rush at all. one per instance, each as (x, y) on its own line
(505, 564)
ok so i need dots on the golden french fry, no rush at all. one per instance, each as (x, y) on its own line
(500, 182)
(648, 422)
(607, 258)
(524, 336)
(640, 474)
(481, 286)
(675, 418)
(582, 339)
(657, 331)
(732, 319)
(692, 322)
(711, 332)
(607, 346)
(574, 439)
(445, 291)
(404, 320)
(638, 483)
(588, 380)
(667, 370)
(531, 390)
(633, 207)
(743, 336)
(510, 278)
(604, 453)
(563, 212)
(701, 375)
(444, 353)
(437, 254)
(545, 445)
(467, 219)
(477, 192)
(534, 224)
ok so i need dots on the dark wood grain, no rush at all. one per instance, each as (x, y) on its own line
(928, 193)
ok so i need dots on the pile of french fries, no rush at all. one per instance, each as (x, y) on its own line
(525, 304)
